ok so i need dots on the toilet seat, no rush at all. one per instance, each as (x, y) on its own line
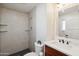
(30, 54)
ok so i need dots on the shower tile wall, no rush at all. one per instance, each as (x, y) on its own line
(16, 39)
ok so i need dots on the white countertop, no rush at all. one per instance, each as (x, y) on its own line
(71, 50)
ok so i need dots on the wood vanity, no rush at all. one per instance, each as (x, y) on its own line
(53, 52)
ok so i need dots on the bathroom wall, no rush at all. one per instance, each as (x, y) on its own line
(16, 39)
(44, 21)
(39, 24)
(32, 32)
(52, 21)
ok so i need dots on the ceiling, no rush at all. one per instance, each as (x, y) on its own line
(22, 7)
(69, 10)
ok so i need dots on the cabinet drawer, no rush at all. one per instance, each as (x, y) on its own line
(52, 52)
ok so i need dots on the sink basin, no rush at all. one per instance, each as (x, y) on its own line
(70, 49)
(61, 45)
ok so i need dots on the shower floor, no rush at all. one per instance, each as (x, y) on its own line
(21, 53)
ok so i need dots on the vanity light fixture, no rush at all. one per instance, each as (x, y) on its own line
(61, 7)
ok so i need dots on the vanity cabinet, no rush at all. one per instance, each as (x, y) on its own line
(52, 52)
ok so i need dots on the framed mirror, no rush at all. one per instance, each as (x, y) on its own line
(68, 25)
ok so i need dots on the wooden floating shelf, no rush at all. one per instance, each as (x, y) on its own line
(3, 25)
(3, 31)
(27, 30)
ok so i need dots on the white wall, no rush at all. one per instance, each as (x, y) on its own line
(16, 39)
(52, 21)
(32, 33)
(39, 24)
(44, 22)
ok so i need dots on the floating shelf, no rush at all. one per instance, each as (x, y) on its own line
(3, 25)
(3, 31)
(27, 30)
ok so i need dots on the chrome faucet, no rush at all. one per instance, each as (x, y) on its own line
(64, 41)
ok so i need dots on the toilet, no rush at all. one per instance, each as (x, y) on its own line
(38, 50)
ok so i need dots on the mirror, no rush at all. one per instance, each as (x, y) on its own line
(69, 23)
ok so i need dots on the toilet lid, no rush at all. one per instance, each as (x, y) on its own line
(30, 54)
